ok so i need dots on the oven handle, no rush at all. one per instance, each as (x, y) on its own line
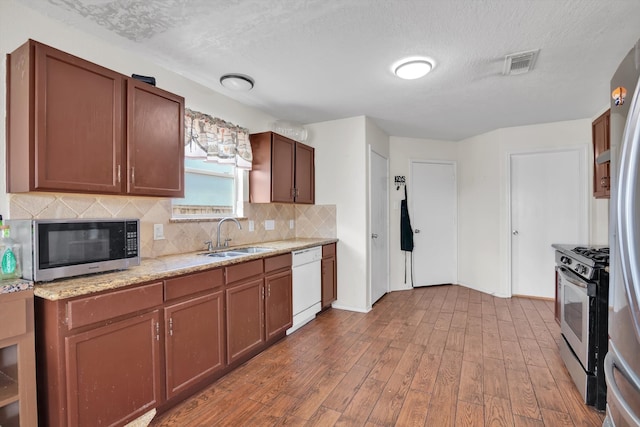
(571, 277)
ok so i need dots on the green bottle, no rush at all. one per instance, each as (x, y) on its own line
(9, 267)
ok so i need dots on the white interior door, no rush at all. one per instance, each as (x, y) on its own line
(548, 205)
(432, 197)
(379, 218)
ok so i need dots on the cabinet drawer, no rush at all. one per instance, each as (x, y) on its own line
(89, 310)
(329, 250)
(243, 271)
(13, 318)
(277, 262)
(193, 283)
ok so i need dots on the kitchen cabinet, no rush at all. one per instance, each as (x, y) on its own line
(100, 370)
(278, 299)
(245, 309)
(283, 170)
(601, 144)
(194, 329)
(329, 275)
(96, 349)
(74, 126)
(17, 360)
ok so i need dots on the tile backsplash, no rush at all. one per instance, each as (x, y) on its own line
(180, 236)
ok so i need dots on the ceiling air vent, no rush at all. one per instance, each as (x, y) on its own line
(520, 63)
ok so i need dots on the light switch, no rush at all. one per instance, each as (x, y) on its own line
(292, 224)
(252, 226)
(269, 224)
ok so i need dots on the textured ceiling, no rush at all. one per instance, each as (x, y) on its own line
(317, 60)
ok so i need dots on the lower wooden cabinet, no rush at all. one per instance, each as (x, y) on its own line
(278, 303)
(110, 357)
(245, 314)
(329, 275)
(17, 360)
(194, 341)
(119, 364)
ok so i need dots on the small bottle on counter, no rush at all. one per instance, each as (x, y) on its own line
(9, 255)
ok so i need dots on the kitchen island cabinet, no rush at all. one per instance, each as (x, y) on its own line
(283, 170)
(601, 144)
(74, 126)
(17, 360)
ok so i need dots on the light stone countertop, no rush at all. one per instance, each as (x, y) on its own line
(8, 286)
(160, 268)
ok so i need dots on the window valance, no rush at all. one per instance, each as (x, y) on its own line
(216, 140)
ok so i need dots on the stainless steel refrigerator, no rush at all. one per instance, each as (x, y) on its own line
(622, 363)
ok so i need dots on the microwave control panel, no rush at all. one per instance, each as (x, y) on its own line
(132, 239)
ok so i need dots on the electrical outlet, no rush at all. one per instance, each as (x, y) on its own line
(252, 226)
(269, 224)
(158, 232)
(292, 224)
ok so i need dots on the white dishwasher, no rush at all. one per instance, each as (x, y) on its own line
(307, 283)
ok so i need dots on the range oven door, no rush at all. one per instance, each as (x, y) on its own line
(575, 320)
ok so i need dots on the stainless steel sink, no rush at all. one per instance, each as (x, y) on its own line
(252, 250)
(232, 253)
(225, 254)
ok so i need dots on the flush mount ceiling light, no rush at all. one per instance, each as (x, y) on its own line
(412, 68)
(237, 82)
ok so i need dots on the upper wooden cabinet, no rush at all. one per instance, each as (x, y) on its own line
(601, 143)
(283, 170)
(76, 126)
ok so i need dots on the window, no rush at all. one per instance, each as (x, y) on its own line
(217, 155)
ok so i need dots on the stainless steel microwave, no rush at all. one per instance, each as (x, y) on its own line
(54, 249)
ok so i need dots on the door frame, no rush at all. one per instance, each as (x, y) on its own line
(585, 191)
(370, 152)
(454, 165)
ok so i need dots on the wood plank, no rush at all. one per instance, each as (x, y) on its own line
(523, 398)
(414, 409)
(497, 412)
(471, 383)
(469, 415)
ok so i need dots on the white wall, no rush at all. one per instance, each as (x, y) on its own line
(402, 152)
(341, 170)
(18, 23)
(483, 227)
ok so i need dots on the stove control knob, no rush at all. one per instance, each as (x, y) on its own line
(565, 260)
(583, 269)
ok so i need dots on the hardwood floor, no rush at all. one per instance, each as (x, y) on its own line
(437, 356)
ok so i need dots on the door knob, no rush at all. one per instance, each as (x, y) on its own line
(374, 236)
(417, 231)
(514, 232)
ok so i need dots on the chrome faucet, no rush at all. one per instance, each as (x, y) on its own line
(226, 242)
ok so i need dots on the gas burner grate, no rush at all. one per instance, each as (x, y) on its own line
(596, 254)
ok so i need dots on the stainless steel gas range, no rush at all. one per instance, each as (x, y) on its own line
(584, 294)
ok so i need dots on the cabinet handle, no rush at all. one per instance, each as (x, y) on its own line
(293, 193)
(118, 172)
(171, 326)
(269, 294)
(133, 175)
(262, 292)
(603, 181)
(157, 331)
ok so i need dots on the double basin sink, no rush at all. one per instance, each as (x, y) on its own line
(233, 253)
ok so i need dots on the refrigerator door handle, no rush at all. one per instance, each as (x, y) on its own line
(611, 362)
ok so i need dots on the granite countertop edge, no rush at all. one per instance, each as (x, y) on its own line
(8, 286)
(151, 269)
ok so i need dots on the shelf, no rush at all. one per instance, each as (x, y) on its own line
(8, 389)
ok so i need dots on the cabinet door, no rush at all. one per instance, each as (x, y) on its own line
(282, 169)
(113, 372)
(305, 173)
(155, 141)
(245, 314)
(278, 306)
(601, 176)
(78, 118)
(194, 341)
(329, 293)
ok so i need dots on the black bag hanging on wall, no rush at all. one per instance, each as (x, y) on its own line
(406, 235)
